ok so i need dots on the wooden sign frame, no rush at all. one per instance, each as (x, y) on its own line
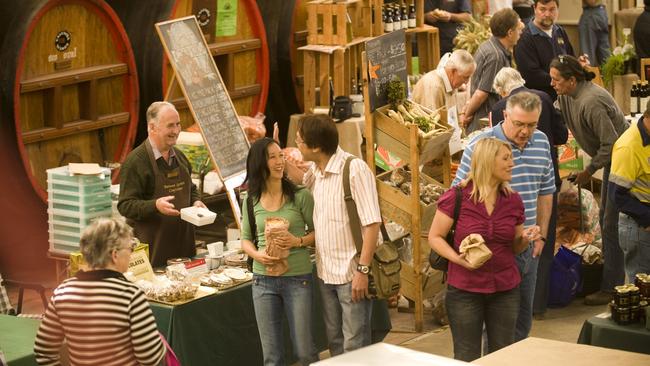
(645, 69)
(196, 73)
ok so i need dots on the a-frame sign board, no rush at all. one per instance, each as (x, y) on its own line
(208, 100)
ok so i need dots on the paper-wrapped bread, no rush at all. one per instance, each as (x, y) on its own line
(475, 250)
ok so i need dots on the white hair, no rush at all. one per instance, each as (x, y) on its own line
(154, 111)
(461, 60)
(507, 80)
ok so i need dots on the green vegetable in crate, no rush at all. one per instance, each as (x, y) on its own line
(395, 92)
(423, 124)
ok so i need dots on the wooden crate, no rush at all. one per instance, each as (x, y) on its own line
(392, 203)
(394, 136)
(342, 64)
(428, 44)
(337, 22)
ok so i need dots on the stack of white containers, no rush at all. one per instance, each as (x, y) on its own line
(73, 202)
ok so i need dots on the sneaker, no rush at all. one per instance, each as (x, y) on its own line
(599, 298)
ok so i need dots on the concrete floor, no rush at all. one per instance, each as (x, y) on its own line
(561, 324)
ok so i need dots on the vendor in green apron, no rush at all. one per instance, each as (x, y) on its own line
(155, 185)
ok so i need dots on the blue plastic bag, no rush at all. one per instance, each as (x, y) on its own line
(565, 277)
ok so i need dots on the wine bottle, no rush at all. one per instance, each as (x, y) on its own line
(397, 19)
(405, 17)
(634, 99)
(645, 96)
(412, 22)
(388, 25)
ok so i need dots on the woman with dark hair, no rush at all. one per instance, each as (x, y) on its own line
(273, 195)
(596, 122)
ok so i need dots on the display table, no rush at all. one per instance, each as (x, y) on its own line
(388, 354)
(350, 134)
(17, 339)
(544, 352)
(604, 332)
(220, 329)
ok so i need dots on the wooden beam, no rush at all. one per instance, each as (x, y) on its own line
(72, 77)
(75, 127)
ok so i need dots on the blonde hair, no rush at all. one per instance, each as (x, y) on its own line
(483, 158)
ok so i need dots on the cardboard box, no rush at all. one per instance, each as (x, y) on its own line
(78, 263)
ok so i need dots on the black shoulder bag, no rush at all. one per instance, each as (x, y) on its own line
(253, 226)
(436, 260)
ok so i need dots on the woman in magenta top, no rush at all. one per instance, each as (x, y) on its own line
(488, 294)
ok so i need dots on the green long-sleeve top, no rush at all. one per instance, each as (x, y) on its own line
(137, 183)
(299, 213)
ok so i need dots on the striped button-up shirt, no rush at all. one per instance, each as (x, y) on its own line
(335, 248)
(532, 175)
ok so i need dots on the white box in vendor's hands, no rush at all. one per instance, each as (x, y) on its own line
(198, 216)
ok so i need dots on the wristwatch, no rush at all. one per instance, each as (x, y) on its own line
(363, 269)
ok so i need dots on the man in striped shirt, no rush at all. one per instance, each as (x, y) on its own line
(342, 273)
(532, 177)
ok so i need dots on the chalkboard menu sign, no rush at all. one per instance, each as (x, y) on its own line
(386, 57)
(205, 93)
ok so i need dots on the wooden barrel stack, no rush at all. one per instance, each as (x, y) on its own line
(70, 94)
(240, 51)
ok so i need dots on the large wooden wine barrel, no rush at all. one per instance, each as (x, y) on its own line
(238, 44)
(69, 94)
(70, 81)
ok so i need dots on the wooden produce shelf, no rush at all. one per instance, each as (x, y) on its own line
(321, 62)
(427, 39)
(391, 202)
(394, 136)
(337, 22)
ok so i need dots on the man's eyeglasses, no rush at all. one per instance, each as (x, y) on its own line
(519, 125)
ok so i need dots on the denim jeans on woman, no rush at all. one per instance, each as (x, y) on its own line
(347, 323)
(291, 296)
(468, 311)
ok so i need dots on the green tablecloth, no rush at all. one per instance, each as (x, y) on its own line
(220, 329)
(604, 332)
(17, 339)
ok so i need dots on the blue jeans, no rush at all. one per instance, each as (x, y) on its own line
(347, 323)
(468, 311)
(528, 270)
(594, 34)
(613, 266)
(545, 261)
(635, 243)
(291, 295)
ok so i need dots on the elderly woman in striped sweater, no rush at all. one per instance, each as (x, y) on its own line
(103, 318)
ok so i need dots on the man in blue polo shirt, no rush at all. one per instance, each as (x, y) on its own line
(533, 178)
(629, 188)
(540, 42)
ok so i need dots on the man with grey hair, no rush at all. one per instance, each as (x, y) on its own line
(155, 184)
(439, 87)
(532, 177)
(509, 82)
